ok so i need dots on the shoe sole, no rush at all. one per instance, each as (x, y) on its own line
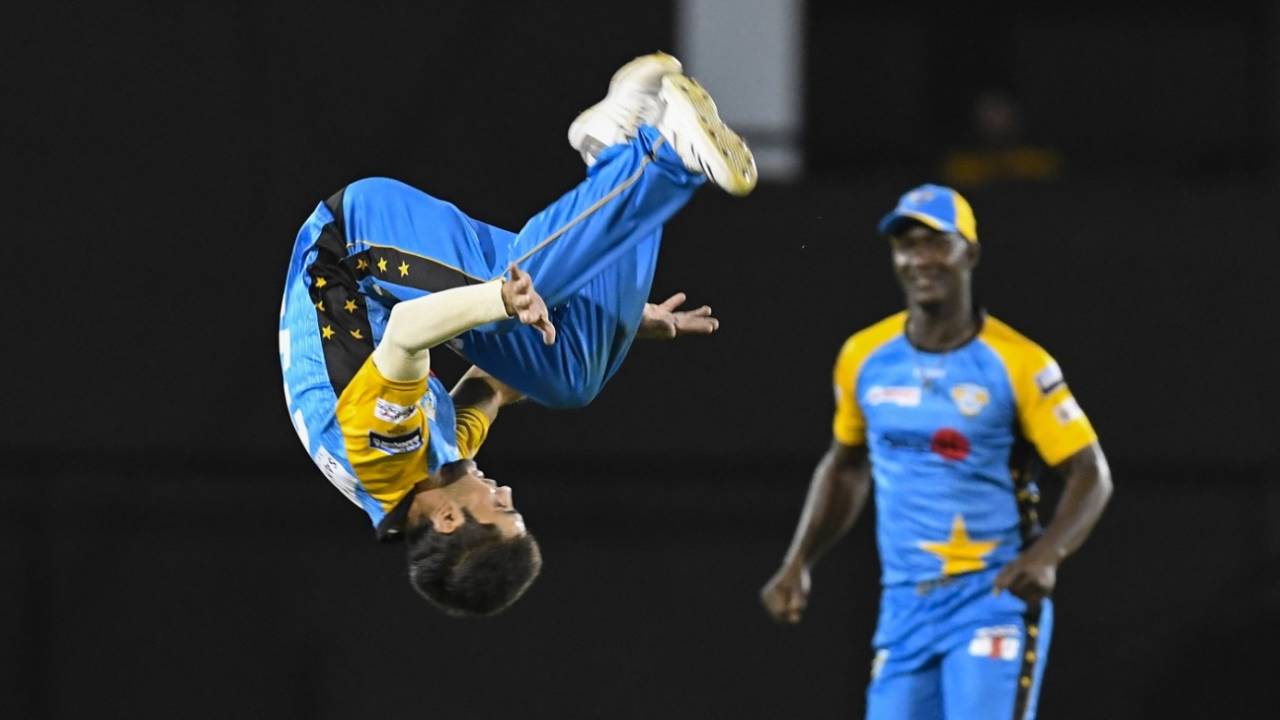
(740, 165)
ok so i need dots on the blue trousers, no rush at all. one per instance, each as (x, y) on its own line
(591, 254)
(958, 652)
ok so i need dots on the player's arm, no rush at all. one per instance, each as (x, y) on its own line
(477, 398)
(1086, 491)
(483, 392)
(415, 326)
(837, 494)
(666, 321)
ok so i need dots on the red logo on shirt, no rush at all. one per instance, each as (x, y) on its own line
(950, 444)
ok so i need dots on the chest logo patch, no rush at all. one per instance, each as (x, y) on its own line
(970, 398)
(902, 396)
(389, 412)
(950, 444)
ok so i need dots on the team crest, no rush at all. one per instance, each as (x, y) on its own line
(970, 398)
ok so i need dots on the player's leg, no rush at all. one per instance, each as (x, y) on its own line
(995, 670)
(905, 693)
(628, 195)
(595, 328)
(592, 253)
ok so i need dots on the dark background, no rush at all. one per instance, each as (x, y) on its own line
(168, 551)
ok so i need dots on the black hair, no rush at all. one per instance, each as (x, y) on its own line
(473, 571)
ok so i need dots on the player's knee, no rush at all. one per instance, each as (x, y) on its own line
(574, 394)
(473, 571)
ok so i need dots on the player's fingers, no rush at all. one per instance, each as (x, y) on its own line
(700, 326)
(673, 302)
(547, 329)
(1002, 580)
(795, 606)
(704, 311)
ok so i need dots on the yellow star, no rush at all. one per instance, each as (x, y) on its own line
(404, 268)
(321, 282)
(327, 331)
(361, 263)
(960, 553)
(382, 264)
(320, 306)
(356, 334)
(349, 305)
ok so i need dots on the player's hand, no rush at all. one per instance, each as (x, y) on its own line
(786, 594)
(1031, 576)
(665, 320)
(523, 301)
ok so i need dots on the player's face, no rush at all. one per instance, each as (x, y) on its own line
(931, 266)
(490, 503)
(466, 487)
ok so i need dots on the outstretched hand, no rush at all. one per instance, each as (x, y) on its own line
(523, 301)
(666, 321)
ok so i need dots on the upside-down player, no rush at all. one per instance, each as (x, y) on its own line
(381, 273)
(934, 406)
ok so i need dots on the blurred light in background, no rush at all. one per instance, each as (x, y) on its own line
(749, 55)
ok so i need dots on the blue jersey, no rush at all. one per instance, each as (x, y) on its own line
(940, 430)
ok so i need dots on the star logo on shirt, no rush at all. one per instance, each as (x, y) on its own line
(327, 331)
(349, 305)
(404, 269)
(382, 264)
(960, 553)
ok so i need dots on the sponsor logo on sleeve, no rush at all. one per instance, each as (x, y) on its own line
(1068, 411)
(1001, 642)
(388, 411)
(902, 396)
(429, 404)
(1049, 379)
(970, 398)
(336, 474)
(396, 444)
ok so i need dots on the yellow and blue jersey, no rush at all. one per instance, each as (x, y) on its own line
(373, 438)
(941, 431)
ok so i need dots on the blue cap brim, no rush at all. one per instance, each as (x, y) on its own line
(894, 219)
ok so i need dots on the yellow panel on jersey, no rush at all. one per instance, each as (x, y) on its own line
(385, 433)
(473, 428)
(849, 426)
(1047, 413)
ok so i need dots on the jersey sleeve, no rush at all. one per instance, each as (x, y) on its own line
(473, 429)
(1048, 413)
(849, 427)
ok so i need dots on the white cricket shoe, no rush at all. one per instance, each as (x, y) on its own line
(691, 123)
(632, 101)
